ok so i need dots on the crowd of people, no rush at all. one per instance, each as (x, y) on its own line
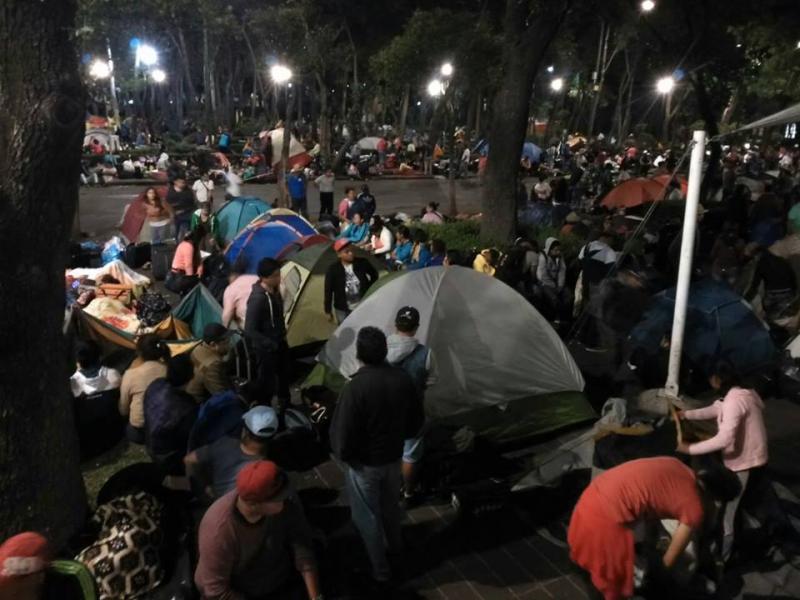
(253, 538)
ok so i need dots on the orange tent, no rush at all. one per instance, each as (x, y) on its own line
(665, 179)
(633, 193)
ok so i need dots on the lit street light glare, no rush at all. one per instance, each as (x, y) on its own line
(447, 69)
(100, 69)
(435, 88)
(158, 76)
(551, 69)
(146, 55)
(557, 84)
(647, 5)
(665, 85)
(280, 74)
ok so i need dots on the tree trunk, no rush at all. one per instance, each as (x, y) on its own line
(527, 40)
(706, 111)
(257, 83)
(41, 134)
(324, 121)
(180, 42)
(401, 123)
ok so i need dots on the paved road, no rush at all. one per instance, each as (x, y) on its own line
(101, 208)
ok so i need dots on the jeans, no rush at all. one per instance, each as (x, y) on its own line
(182, 221)
(325, 203)
(374, 494)
(272, 374)
(299, 205)
(729, 516)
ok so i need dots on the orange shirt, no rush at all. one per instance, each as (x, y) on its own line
(183, 259)
(661, 487)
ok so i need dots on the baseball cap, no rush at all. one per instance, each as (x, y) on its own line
(23, 554)
(214, 332)
(407, 317)
(262, 481)
(262, 421)
(340, 245)
(268, 266)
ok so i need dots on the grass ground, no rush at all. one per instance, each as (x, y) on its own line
(97, 470)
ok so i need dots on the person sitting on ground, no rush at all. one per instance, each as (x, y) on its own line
(551, 275)
(486, 261)
(346, 203)
(432, 215)
(169, 414)
(600, 536)
(741, 437)
(404, 350)
(152, 354)
(234, 299)
(541, 192)
(380, 243)
(438, 253)
(780, 284)
(249, 538)
(357, 232)
(401, 255)
(213, 468)
(346, 282)
(420, 255)
(452, 258)
(187, 264)
(208, 362)
(91, 377)
(365, 203)
(158, 217)
(202, 216)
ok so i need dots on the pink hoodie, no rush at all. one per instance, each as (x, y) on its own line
(741, 434)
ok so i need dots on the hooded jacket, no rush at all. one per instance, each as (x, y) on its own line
(264, 324)
(400, 347)
(552, 272)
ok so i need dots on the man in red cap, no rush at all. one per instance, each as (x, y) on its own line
(244, 540)
(346, 281)
(23, 561)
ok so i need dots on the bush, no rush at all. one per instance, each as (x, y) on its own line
(458, 235)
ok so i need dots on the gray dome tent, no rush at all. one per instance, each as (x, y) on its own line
(495, 354)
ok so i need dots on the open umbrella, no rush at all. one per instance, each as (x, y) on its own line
(633, 193)
(719, 325)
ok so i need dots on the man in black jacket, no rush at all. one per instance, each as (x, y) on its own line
(265, 331)
(346, 281)
(378, 409)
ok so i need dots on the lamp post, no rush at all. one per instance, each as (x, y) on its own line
(665, 86)
(438, 88)
(281, 76)
(647, 6)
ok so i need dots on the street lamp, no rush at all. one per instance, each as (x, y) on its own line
(146, 55)
(665, 86)
(158, 76)
(557, 84)
(447, 69)
(647, 5)
(551, 69)
(100, 69)
(435, 88)
(280, 74)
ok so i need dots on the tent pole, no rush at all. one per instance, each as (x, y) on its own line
(685, 269)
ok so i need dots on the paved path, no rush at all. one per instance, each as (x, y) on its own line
(101, 207)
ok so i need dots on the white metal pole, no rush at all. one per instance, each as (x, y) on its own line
(685, 269)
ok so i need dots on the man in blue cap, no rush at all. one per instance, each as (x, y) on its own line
(213, 468)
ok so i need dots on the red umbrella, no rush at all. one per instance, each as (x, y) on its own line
(633, 193)
(665, 179)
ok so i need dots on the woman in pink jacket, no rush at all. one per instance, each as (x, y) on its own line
(741, 437)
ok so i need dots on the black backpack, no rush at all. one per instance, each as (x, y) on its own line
(151, 309)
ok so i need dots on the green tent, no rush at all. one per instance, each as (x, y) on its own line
(304, 288)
